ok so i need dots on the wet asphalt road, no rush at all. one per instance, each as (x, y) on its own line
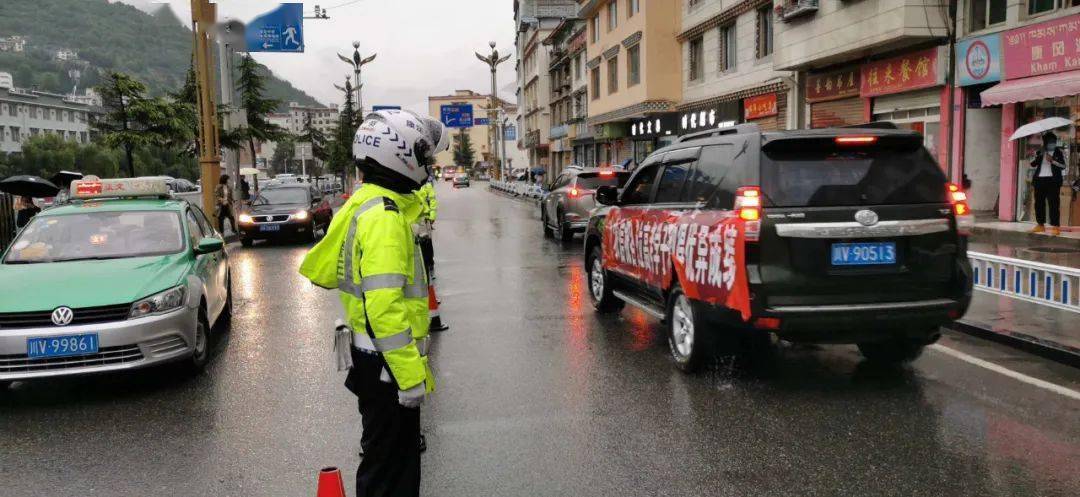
(538, 396)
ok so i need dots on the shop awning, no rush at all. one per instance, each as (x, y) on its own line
(1036, 88)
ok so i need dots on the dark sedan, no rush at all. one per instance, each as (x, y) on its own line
(290, 211)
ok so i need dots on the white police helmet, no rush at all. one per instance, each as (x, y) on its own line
(400, 141)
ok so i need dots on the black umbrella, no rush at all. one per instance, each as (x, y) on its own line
(63, 179)
(28, 186)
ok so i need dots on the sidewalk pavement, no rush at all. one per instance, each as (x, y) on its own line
(1041, 329)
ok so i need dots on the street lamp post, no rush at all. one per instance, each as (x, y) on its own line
(492, 61)
(357, 62)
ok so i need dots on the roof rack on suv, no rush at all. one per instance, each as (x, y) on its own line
(729, 130)
(873, 125)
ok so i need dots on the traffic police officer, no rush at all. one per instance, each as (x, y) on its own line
(368, 254)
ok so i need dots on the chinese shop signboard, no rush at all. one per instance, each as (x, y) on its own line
(759, 106)
(907, 72)
(1044, 48)
(832, 86)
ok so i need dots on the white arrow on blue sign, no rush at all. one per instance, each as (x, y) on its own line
(281, 30)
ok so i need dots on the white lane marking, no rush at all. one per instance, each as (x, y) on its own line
(1053, 387)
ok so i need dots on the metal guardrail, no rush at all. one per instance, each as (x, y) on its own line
(1046, 284)
(518, 189)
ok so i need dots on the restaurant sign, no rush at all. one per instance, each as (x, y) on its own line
(912, 71)
(1044, 48)
(832, 85)
(759, 106)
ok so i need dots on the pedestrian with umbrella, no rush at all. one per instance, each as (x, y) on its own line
(25, 188)
(1049, 164)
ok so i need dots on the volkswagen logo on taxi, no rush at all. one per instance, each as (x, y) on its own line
(62, 316)
(866, 217)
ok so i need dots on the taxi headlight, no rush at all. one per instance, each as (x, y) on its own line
(300, 215)
(245, 219)
(158, 303)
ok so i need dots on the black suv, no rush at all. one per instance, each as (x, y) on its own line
(839, 235)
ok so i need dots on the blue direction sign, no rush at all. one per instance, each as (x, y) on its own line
(481, 121)
(456, 116)
(281, 30)
(376, 108)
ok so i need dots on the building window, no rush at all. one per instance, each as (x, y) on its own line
(595, 83)
(726, 55)
(633, 65)
(577, 66)
(632, 7)
(596, 28)
(1040, 6)
(697, 54)
(612, 15)
(612, 75)
(764, 32)
(986, 13)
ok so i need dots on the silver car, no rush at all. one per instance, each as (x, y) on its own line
(564, 209)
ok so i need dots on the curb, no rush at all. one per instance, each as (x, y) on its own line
(1057, 352)
(513, 197)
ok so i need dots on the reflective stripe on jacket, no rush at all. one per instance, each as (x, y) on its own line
(368, 254)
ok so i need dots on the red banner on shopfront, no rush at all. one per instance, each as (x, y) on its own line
(832, 86)
(907, 72)
(759, 106)
(1044, 48)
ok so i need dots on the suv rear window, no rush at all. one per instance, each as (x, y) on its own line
(593, 181)
(820, 173)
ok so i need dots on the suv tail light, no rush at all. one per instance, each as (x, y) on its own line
(965, 221)
(748, 208)
(574, 193)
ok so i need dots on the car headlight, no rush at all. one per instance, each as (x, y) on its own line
(245, 219)
(158, 303)
(300, 215)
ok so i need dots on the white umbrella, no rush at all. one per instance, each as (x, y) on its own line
(1040, 126)
(249, 171)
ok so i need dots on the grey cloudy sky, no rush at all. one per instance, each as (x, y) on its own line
(424, 47)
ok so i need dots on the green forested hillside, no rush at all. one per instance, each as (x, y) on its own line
(156, 49)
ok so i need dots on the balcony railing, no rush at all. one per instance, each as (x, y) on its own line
(559, 131)
(797, 8)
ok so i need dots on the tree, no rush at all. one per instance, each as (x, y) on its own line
(251, 84)
(339, 149)
(315, 137)
(463, 150)
(284, 153)
(133, 120)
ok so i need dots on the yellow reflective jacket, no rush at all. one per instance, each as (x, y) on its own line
(427, 199)
(368, 255)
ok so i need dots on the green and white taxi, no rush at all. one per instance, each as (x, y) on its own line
(122, 277)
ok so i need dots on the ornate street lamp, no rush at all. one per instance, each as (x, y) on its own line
(493, 61)
(357, 62)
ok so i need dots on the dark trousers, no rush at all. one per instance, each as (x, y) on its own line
(428, 251)
(1047, 193)
(390, 466)
(224, 212)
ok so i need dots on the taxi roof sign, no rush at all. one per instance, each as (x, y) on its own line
(93, 187)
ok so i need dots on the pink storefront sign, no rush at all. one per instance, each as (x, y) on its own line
(1044, 48)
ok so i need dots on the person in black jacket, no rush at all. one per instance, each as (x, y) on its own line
(1049, 164)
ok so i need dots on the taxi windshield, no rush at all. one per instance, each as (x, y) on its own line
(97, 235)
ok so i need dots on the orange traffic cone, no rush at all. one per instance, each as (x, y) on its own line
(433, 311)
(330, 484)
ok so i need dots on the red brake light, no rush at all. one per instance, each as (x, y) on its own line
(574, 192)
(607, 173)
(856, 140)
(767, 323)
(964, 221)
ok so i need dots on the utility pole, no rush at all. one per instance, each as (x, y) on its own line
(950, 86)
(502, 136)
(203, 17)
(493, 61)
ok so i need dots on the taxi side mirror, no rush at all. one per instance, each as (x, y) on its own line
(607, 195)
(209, 245)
